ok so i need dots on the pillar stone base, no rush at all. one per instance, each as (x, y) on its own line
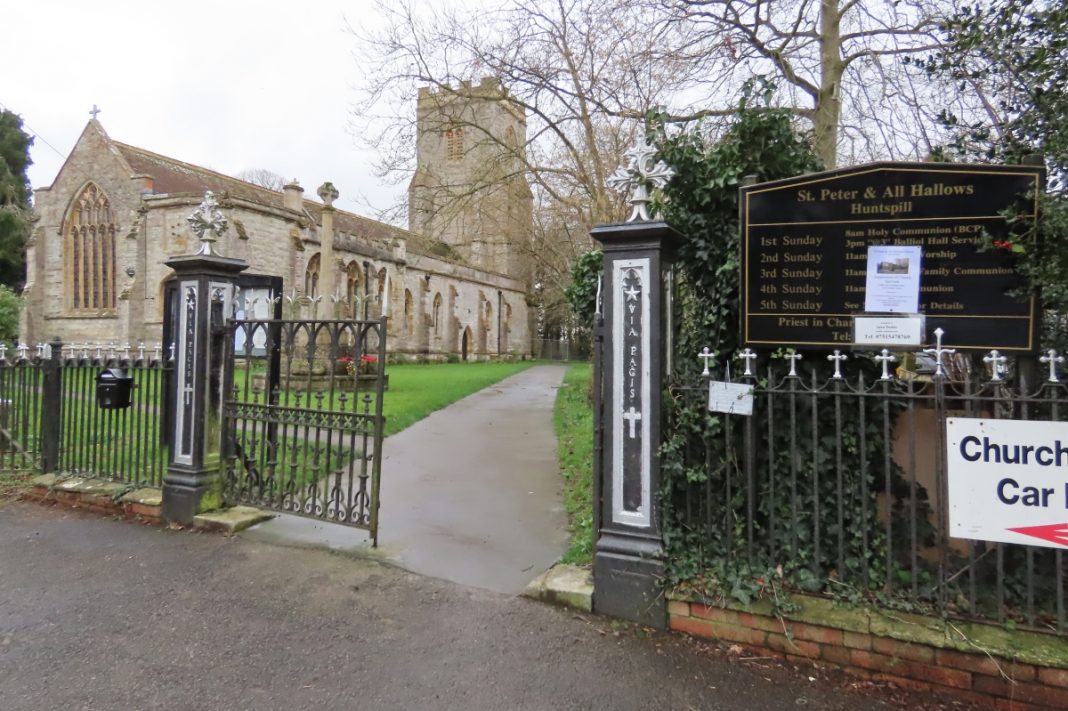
(628, 574)
(186, 494)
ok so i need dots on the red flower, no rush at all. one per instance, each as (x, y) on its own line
(344, 359)
(368, 359)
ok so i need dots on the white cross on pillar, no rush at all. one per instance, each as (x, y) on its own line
(632, 416)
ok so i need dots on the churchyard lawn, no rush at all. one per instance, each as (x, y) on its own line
(573, 420)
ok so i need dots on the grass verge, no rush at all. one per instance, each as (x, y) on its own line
(573, 418)
(417, 390)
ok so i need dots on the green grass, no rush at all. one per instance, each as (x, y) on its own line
(573, 418)
(416, 390)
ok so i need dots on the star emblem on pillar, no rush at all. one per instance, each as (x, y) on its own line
(639, 176)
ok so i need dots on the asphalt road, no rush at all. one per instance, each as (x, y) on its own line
(103, 614)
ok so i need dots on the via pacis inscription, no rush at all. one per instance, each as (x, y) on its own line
(805, 245)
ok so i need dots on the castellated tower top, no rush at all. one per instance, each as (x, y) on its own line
(469, 192)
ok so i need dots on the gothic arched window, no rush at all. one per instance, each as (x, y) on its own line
(436, 314)
(90, 238)
(311, 277)
(352, 288)
(409, 312)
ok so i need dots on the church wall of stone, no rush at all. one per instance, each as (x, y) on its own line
(92, 160)
(275, 239)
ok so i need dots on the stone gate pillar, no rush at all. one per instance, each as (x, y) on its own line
(206, 286)
(628, 564)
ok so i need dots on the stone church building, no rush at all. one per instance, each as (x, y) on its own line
(455, 282)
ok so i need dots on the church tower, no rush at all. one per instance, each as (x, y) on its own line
(469, 195)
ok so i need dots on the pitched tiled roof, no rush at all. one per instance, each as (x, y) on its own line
(174, 176)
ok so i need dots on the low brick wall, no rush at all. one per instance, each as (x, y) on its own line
(101, 497)
(1012, 670)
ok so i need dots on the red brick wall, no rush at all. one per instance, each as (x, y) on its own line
(1002, 683)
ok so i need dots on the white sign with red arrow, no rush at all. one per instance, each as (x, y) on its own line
(1008, 480)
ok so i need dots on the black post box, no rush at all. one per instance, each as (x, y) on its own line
(113, 388)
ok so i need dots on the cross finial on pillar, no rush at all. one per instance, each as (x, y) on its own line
(885, 358)
(639, 176)
(1051, 358)
(208, 223)
(94, 111)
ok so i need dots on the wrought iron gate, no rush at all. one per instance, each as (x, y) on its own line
(303, 418)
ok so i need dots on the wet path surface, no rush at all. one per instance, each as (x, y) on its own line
(470, 494)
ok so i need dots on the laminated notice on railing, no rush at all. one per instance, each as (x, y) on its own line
(731, 398)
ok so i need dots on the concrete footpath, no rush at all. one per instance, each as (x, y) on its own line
(106, 615)
(470, 494)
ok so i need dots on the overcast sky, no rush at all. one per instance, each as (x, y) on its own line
(231, 85)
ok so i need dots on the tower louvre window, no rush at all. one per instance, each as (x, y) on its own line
(454, 143)
(90, 238)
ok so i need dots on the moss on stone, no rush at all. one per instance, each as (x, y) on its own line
(971, 637)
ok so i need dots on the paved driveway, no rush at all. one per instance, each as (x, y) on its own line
(102, 614)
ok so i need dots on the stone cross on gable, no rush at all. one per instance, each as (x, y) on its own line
(94, 111)
(638, 176)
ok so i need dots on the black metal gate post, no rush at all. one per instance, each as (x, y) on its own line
(628, 563)
(205, 294)
(51, 408)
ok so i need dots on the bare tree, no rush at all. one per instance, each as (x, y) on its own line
(837, 63)
(263, 177)
(580, 71)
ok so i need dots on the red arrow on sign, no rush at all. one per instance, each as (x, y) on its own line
(1054, 532)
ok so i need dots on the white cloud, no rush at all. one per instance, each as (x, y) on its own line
(231, 85)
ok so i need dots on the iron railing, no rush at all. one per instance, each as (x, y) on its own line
(836, 484)
(21, 378)
(50, 420)
(129, 445)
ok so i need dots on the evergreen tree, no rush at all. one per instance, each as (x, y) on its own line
(14, 199)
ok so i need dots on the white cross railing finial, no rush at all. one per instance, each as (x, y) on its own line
(885, 358)
(1051, 358)
(938, 351)
(996, 361)
(837, 357)
(793, 357)
(707, 355)
(748, 356)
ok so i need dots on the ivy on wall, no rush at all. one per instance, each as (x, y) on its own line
(711, 540)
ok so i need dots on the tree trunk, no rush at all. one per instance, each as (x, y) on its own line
(829, 100)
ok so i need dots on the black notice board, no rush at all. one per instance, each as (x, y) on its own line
(805, 242)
